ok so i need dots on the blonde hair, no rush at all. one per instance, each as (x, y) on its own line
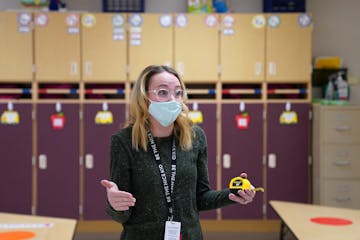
(139, 116)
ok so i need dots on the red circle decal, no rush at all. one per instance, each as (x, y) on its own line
(331, 221)
(16, 235)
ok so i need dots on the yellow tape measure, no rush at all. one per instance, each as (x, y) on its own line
(239, 183)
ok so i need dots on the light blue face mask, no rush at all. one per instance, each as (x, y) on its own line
(165, 112)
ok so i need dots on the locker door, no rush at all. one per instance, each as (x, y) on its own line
(197, 47)
(103, 46)
(242, 151)
(209, 126)
(16, 46)
(96, 165)
(288, 47)
(288, 177)
(150, 41)
(242, 47)
(58, 162)
(57, 47)
(16, 166)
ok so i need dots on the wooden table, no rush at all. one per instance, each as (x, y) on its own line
(17, 226)
(335, 223)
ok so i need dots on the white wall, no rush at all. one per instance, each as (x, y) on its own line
(9, 4)
(337, 33)
(336, 26)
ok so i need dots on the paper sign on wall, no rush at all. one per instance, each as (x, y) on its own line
(58, 119)
(24, 22)
(10, 116)
(196, 116)
(72, 23)
(288, 116)
(104, 117)
(242, 120)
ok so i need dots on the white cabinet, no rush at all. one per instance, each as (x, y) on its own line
(336, 151)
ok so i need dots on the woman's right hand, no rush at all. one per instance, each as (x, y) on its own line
(119, 200)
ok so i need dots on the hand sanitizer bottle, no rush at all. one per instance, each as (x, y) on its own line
(342, 87)
(329, 94)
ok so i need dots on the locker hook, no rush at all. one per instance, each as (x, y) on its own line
(288, 106)
(242, 106)
(10, 106)
(195, 106)
(105, 106)
(58, 107)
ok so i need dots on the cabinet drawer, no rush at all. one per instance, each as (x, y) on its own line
(339, 193)
(340, 161)
(341, 126)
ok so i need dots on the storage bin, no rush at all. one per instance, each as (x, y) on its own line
(284, 5)
(123, 5)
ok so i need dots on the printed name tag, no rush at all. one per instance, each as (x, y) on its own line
(172, 230)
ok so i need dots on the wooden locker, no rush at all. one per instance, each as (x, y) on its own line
(16, 58)
(209, 123)
(196, 49)
(242, 151)
(57, 47)
(97, 139)
(103, 47)
(242, 47)
(288, 47)
(58, 171)
(150, 41)
(16, 160)
(288, 152)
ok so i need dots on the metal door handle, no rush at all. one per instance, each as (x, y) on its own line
(89, 161)
(42, 161)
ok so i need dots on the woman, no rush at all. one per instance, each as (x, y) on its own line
(158, 166)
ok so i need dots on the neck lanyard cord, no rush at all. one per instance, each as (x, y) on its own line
(167, 191)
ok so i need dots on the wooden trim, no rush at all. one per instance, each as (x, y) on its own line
(207, 226)
(240, 225)
(218, 143)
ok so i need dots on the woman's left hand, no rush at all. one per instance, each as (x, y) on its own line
(245, 196)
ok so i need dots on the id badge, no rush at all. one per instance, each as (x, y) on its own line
(172, 230)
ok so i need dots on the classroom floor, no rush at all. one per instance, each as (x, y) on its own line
(207, 236)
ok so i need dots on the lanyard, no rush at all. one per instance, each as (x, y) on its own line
(167, 191)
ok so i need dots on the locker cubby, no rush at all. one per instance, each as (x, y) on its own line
(242, 150)
(16, 152)
(96, 137)
(104, 91)
(287, 91)
(58, 91)
(288, 151)
(201, 91)
(242, 91)
(15, 91)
